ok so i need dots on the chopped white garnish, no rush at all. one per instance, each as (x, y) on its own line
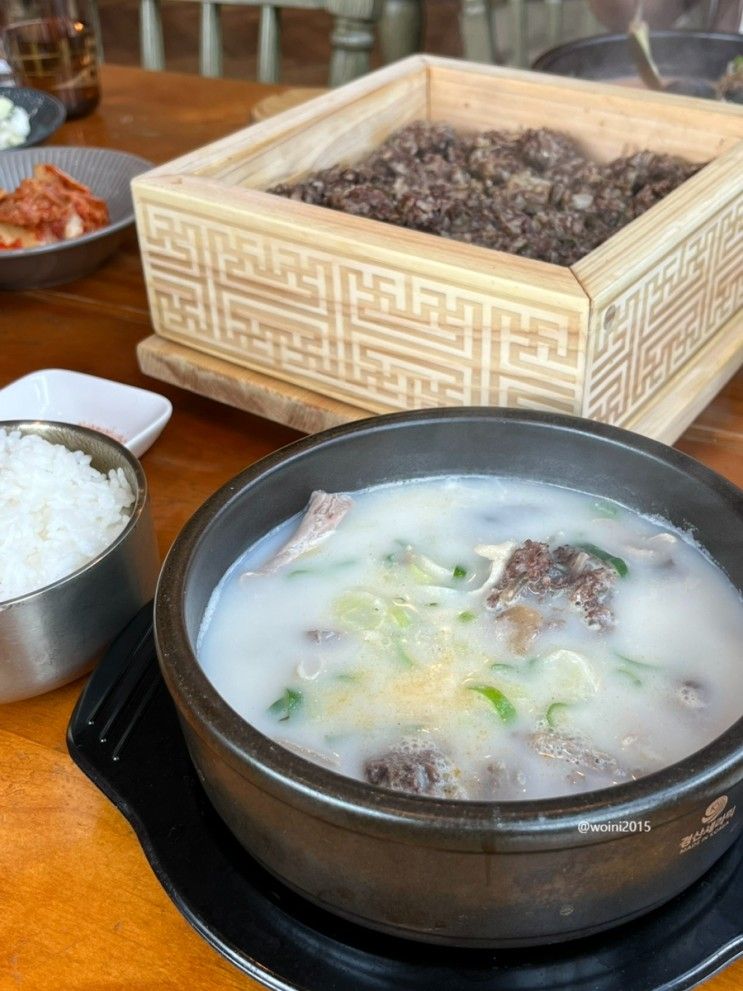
(309, 668)
(569, 676)
(499, 554)
(15, 125)
(74, 226)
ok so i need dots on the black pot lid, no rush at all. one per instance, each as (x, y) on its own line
(125, 736)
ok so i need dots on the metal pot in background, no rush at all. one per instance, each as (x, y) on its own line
(53, 635)
(701, 55)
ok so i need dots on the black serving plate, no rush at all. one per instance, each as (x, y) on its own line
(125, 736)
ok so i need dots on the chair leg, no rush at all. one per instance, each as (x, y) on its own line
(95, 24)
(269, 45)
(151, 35)
(210, 55)
(520, 56)
(474, 23)
(400, 29)
(554, 22)
(352, 38)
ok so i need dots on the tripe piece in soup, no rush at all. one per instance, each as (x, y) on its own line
(478, 638)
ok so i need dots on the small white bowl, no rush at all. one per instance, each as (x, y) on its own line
(135, 417)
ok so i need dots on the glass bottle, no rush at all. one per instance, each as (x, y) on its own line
(53, 45)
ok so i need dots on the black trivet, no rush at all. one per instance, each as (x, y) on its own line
(125, 736)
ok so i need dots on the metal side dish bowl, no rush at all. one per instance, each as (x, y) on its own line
(53, 634)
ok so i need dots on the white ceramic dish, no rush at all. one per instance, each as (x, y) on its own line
(133, 416)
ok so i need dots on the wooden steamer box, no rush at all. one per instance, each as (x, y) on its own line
(312, 317)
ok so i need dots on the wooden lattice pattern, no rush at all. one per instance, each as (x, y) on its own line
(643, 336)
(367, 333)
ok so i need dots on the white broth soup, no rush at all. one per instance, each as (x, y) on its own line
(478, 638)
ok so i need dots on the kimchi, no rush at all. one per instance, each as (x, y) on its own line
(50, 207)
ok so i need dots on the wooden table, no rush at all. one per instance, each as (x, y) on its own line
(79, 906)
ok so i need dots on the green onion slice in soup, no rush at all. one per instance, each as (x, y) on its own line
(635, 664)
(502, 705)
(617, 563)
(629, 676)
(402, 654)
(287, 704)
(399, 615)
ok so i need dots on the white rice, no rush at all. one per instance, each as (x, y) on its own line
(56, 511)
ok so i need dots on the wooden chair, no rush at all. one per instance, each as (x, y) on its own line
(502, 32)
(352, 37)
(510, 32)
(485, 24)
(514, 32)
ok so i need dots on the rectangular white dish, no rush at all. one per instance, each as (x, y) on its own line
(135, 417)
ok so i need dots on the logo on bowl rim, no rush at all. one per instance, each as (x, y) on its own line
(715, 809)
(716, 817)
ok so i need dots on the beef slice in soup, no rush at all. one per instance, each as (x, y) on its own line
(588, 584)
(524, 625)
(532, 640)
(321, 518)
(535, 570)
(417, 767)
(499, 781)
(576, 751)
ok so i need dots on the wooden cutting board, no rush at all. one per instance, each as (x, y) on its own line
(233, 385)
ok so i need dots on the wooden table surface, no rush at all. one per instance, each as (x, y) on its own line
(80, 909)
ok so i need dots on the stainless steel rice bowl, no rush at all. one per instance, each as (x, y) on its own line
(50, 636)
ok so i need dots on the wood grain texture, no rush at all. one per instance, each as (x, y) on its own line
(655, 300)
(682, 397)
(385, 324)
(663, 417)
(82, 910)
(303, 140)
(607, 120)
(385, 318)
(280, 102)
(228, 383)
(712, 194)
(124, 941)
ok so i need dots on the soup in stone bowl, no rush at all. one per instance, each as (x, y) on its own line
(467, 676)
